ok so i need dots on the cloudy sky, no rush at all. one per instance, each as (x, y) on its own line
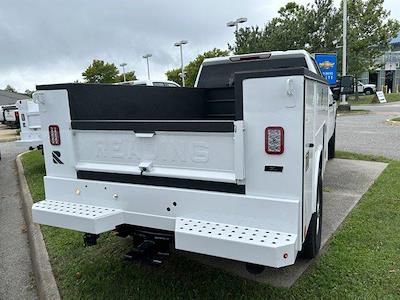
(53, 41)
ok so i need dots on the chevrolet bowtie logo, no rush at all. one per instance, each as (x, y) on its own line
(326, 64)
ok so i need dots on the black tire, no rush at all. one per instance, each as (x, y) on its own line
(368, 91)
(312, 242)
(331, 146)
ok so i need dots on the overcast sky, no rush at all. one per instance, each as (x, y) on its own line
(53, 41)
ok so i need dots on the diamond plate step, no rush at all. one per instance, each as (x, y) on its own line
(75, 216)
(247, 244)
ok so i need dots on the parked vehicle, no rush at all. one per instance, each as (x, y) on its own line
(11, 115)
(232, 168)
(29, 123)
(1, 114)
(159, 83)
(366, 88)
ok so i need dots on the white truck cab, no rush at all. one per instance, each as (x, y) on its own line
(231, 168)
(366, 88)
(29, 119)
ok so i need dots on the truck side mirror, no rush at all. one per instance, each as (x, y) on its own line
(347, 85)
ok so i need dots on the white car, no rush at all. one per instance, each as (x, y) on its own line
(159, 83)
(366, 88)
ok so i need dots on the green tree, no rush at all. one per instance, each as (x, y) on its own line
(101, 72)
(29, 92)
(11, 89)
(296, 27)
(173, 75)
(193, 67)
(369, 32)
(130, 76)
(316, 26)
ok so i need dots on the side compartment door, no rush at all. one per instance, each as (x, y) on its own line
(309, 148)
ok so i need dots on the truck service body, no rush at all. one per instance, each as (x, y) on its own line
(29, 119)
(231, 168)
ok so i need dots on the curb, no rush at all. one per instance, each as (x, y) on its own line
(44, 277)
(358, 113)
(11, 139)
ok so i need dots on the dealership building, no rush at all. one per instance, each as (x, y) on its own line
(387, 77)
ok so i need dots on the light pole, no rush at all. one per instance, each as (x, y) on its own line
(236, 23)
(180, 45)
(123, 65)
(344, 58)
(147, 56)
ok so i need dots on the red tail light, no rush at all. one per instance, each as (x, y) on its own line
(54, 135)
(274, 140)
(16, 113)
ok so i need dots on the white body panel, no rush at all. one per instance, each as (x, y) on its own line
(29, 118)
(277, 203)
(203, 156)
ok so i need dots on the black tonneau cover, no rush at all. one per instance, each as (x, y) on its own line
(149, 109)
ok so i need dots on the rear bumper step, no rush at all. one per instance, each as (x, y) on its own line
(247, 244)
(75, 216)
(253, 245)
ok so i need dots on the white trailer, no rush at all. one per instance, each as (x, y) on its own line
(232, 168)
(29, 119)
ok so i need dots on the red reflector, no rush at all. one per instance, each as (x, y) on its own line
(274, 140)
(54, 135)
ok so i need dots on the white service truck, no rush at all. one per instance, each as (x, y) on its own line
(232, 168)
(10, 115)
(29, 119)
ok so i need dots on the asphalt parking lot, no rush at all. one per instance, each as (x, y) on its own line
(370, 133)
(16, 276)
(7, 134)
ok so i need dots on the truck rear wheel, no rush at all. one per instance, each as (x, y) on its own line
(331, 146)
(368, 91)
(312, 242)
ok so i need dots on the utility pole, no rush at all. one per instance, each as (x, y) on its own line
(344, 58)
(123, 65)
(180, 45)
(147, 56)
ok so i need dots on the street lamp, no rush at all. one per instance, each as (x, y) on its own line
(147, 56)
(123, 65)
(180, 45)
(344, 58)
(236, 23)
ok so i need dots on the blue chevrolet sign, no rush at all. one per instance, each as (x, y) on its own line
(327, 64)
